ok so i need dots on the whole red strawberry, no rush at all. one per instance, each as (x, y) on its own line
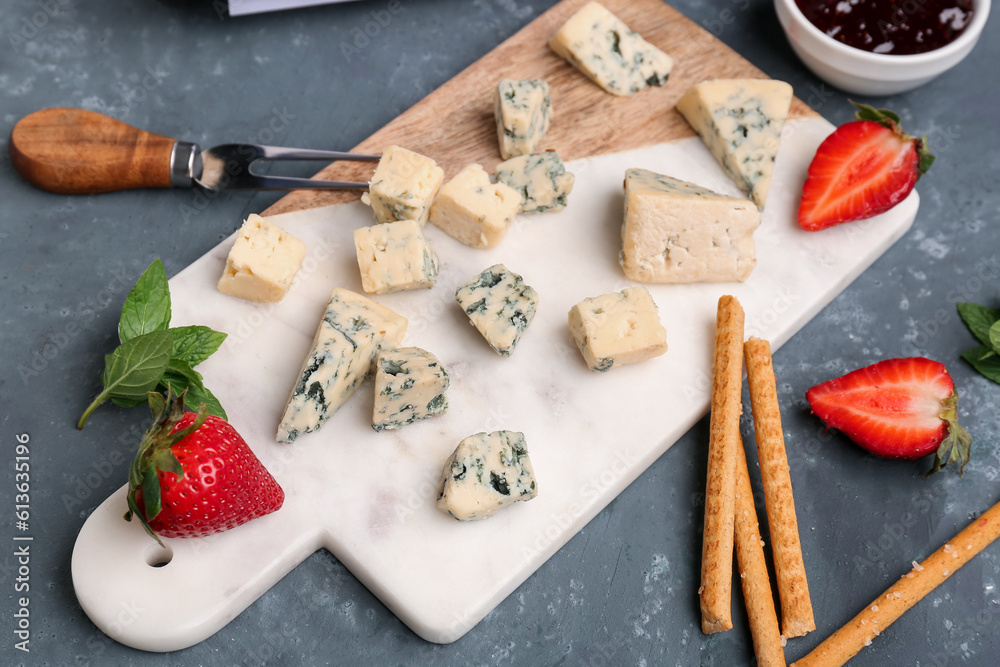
(194, 475)
(864, 168)
(897, 409)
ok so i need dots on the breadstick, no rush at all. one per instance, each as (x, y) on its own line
(842, 645)
(753, 572)
(724, 436)
(790, 572)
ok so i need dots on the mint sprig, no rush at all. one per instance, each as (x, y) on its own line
(984, 323)
(152, 355)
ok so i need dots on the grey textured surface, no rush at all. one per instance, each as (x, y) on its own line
(623, 591)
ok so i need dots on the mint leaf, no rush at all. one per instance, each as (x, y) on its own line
(979, 319)
(984, 360)
(147, 306)
(195, 344)
(182, 369)
(181, 376)
(133, 369)
(995, 336)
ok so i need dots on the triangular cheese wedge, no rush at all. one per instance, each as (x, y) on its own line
(740, 121)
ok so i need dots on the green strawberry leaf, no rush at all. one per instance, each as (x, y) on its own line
(147, 306)
(881, 116)
(195, 344)
(151, 492)
(133, 369)
(984, 360)
(979, 319)
(155, 455)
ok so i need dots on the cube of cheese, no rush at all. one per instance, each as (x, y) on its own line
(541, 178)
(500, 305)
(395, 256)
(473, 210)
(678, 232)
(486, 472)
(740, 121)
(600, 45)
(410, 384)
(352, 333)
(403, 186)
(619, 328)
(262, 262)
(523, 111)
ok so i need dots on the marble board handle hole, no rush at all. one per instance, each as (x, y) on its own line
(157, 556)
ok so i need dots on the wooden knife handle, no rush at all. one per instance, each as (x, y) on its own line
(79, 152)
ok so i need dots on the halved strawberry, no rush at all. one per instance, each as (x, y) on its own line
(194, 475)
(898, 409)
(864, 168)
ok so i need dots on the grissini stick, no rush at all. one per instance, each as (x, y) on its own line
(789, 568)
(754, 577)
(845, 643)
(724, 438)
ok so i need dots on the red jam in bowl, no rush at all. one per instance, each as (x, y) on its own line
(896, 27)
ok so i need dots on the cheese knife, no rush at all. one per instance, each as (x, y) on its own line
(79, 152)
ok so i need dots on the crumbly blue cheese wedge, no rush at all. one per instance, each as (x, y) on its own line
(486, 472)
(600, 45)
(353, 331)
(523, 112)
(262, 262)
(410, 384)
(740, 121)
(473, 210)
(541, 178)
(678, 232)
(403, 186)
(395, 256)
(618, 328)
(500, 305)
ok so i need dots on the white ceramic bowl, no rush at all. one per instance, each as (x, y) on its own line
(866, 73)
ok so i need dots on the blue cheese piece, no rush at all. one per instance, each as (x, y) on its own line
(353, 331)
(541, 178)
(486, 472)
(740, 121)
(473, 210)
(678, 232)
(523, 112)
(403, 186)
(600, 45)
(410, 384)
(395, 256)
(262, 263)
(499, 305)
(619, 328)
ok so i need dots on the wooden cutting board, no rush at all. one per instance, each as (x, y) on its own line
(455, 126)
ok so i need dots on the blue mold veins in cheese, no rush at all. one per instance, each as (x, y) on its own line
(500, 305)
(410, 384)
(353, 331)
(740, 121)
(523, 112)
(600, 45)
(486, 472)
(541, 178)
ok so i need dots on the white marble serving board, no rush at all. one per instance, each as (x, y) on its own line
(369, 497)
